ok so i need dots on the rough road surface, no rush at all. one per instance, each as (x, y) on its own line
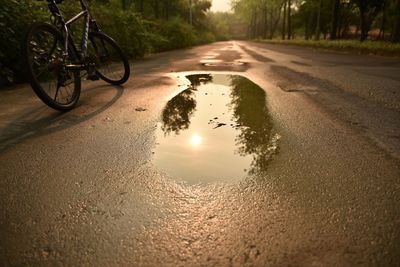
(80, 188)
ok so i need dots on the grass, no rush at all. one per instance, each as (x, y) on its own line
(366, 47)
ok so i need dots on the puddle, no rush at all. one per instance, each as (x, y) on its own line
(210, 61)
(219, 129)
(220, 63)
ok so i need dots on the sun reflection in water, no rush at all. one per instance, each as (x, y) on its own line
(196, 140)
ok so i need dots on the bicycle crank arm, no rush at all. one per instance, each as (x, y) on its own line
(75, 67)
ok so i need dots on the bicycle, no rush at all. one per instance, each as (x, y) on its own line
(54, 64)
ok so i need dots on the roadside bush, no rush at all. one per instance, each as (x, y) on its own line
(205, 38)
(154, 37)
(178, 33)
(14, 18)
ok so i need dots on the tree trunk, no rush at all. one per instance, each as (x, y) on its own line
(307, 31)
(166, 9)
(289, 36)
(335, 18)
(254, 25)
(265, 32)
(284, 20)
(381, 35)
(339, 27)
(274, 26)
(124, 4)
(271, 19)
(141, 6)
(156, 10)
(318, 30)
(250, 28)
(396, 28)
(363, 21)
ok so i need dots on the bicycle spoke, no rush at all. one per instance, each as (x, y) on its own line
(58, 89)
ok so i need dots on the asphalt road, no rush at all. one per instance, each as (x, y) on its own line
(81, 188)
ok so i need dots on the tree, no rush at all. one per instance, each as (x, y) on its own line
(396, 28)
(318, 31)
(274, 12)
(289, 20)
(335, 19)
(381, 35)
(284, 20)
(369, 9)
(261, 16)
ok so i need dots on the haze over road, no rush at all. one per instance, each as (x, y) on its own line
(81, 188)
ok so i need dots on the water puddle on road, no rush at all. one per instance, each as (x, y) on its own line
(219, 129)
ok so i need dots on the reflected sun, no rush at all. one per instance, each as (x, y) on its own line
(196, 140)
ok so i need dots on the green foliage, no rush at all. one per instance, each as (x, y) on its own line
(14, 17)
(220, 24)
(125, 26)
(178, 33)
(205, 38)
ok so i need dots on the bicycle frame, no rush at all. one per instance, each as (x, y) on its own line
(88, 21)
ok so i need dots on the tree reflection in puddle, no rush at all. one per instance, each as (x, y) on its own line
(176, 115)
(219, 129)
(255, 131)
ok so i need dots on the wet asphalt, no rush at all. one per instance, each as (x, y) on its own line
(82, 188)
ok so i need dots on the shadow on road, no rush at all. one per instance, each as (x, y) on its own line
(39, 122)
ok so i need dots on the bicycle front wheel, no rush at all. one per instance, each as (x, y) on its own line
(45, 62)
(111, 63)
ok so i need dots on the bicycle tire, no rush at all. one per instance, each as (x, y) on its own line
(111, 63)
(42, 49)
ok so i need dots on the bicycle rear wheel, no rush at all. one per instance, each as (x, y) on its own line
(111, 63)
(53, 83)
